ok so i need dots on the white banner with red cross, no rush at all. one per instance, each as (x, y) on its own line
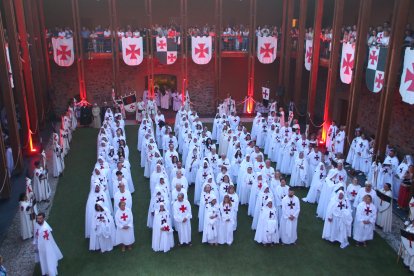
(63, 53)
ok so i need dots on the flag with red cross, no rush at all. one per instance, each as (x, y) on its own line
(63, 53)
(266, 49)
(308, 54)
(201, 50)
(407, 77)
(347, 62)
(130, 103)
(375, 73)
(132, 50)
(166, 49)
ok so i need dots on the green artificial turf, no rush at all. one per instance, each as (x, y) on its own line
(311, 255)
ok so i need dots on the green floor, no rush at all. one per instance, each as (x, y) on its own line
(311, 255)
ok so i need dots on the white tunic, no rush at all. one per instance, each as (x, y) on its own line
(288, 227)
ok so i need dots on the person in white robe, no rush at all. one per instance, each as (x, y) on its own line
(361, 152)
(182, 219)
(351, 192)
(257, 187)
(25, 216)
(332, 130)
(162, 232)
(399, 174)
(339, 141)
(289, 219)
(248, 181)
(281, 191)
(201, 178)
(211, 222)
(234, 198)
(314, 158)
(384, 216)
(299, 172)
(267, 231)
(352, 148)
(123, 195)
(158, 197)
(364, 223)
(58, 164)
(102, 232)
(40, 183)
(47, 251)
(316, 184)
(204, 201)
(338, 221)
(96, 116)
(288, 157)
(226, 223)
(242, 171)
(124, 227)
(366, 190)
(262, 198)
(165, 100)
(407, 256)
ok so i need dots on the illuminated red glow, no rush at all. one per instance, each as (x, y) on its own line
(183, 89)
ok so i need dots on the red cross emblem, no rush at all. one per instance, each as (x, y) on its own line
(171, 58)
(348, 64)
(260, 185)
(409, 76)
(227, 209)
(373, 57)
(379, 80)
(367, 210)
(183, 208)
(133, 51)
(101, 218)
(46, 235)
(201, 51)
(124, 216)
(354, 193)
(123, 199)
(63, 52)
(261, 166)
(265, 94)
(266, 50)
(309, 54)
(161, 44)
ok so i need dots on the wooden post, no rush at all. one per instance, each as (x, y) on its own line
(288, 50)
(78, 49)
(44, 42)
(27, 70)
(8, 101)
(359, 67)
(217, 48)
(313, 78)
(333, 65)
(282, 43)
(38, 41)
(150, 51)
(113, 15)
(252, 55)
(16, 65)
(184, 48)
(36, 70)
(5, 183)
(400, 18)
(300, 52)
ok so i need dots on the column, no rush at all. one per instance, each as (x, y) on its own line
(400, 19)
(333, 65)
(313, 78)
(78, 48)
(8, 100)
(359, 66)
(5, 183)
(300, 53)
(287, 54)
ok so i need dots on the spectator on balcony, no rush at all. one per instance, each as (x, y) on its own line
(100, 38)
(372, 39)
(94, 38)
(85, 34)
(61, 33)
(107, 40)
(245, 43)
(385, 40)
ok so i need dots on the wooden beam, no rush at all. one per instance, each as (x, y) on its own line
(43, 35)
(300, 53)
(287, 54)
(333, 64)
(17, 67)
(5, 183)
(8, 101)
(27, 70)
(282, 42)
(359, 67)
(400, 19)
(37, 80)
(313, 78)
(114, 23)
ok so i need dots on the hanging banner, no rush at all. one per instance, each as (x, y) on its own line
(265, 93)
(308, 54)
(266, 49)
(63, 51)
(132, 51)
(407, 77)
(347, 62)
(166, 50)
(375, 73)
(201, 50)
